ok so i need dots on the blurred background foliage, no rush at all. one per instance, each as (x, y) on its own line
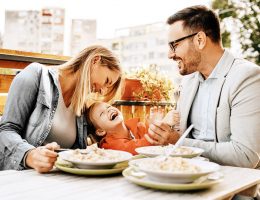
(245, 16)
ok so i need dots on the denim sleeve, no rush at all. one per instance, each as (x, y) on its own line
(20, 104)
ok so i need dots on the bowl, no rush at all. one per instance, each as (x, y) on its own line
(174, 169)
(101, 159)
(183, 151)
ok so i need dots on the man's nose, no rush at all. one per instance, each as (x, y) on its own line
(171, 54)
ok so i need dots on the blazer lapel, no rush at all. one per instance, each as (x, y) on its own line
(223, 72)
(215, 99)
(187, 96)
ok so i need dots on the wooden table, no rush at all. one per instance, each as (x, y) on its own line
(28, 184)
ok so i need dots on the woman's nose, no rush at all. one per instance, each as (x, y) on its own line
(103, 90)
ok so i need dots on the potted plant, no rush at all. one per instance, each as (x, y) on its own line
(147, 84)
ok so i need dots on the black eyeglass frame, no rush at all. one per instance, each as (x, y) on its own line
(173, 43)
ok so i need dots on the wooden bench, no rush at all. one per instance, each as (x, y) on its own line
(12, 61)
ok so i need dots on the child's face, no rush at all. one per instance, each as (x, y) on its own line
(105, 116)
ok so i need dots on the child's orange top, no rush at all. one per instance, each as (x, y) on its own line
(118, 142)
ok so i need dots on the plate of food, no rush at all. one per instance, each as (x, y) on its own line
(183, 151)
(95, 158)
(174, 169)
(70, 168)
(141, 179)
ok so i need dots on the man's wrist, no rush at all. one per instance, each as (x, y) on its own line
(174, 137)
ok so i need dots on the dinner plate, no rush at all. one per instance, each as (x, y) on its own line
(89, 161)
(129, 174)
(174, 170)
(91, 172)
(152, 151)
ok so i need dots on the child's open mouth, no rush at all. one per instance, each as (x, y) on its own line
(113, 115)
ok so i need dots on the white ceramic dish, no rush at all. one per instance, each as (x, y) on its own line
(152, 151)
(144, 181)
(151, 167)
(108, 159)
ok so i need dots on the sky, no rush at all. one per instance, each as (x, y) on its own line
(110, 14)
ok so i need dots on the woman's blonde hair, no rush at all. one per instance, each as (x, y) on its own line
(81, 64)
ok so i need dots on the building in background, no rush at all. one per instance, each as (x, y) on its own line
(1, 41)
(35, 31)
(43, 31)
(142, 46)
(83, 34)
(22, 30)
(52, 31)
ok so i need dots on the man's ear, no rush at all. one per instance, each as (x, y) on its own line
(100, 132)
(201, 39)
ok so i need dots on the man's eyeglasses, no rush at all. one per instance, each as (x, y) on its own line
(173, 44)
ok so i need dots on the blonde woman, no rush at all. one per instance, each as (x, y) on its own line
(45, 105)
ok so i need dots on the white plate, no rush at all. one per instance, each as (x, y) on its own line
(92, 172)
(144, 181)
(147, 165)
(103, 163)
(152, 151)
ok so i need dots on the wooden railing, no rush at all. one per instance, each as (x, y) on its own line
(12, 61)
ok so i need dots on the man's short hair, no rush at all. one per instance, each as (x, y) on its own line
(198, 18)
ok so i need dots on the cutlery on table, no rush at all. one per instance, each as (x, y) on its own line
(171, 148)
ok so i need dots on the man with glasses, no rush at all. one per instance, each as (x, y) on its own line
(220, 93)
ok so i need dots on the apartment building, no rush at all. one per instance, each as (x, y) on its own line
(144, 45)
(35, 31)
(22, 30)
(83, 34)
(1, 41)
(52, 30)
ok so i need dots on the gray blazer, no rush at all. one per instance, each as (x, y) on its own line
(28, 116)
(237, 114)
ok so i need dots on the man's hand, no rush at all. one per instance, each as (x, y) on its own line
(42, 158)
(172, 118)
(160, 133)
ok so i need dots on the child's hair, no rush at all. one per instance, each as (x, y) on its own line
(94, 138)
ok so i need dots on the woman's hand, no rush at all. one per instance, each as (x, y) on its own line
(42, 158)
(160, 133)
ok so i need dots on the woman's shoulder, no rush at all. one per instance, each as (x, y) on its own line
(31, 71)
(34, 67)
(29, 75)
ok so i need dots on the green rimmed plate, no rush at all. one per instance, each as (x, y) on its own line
(145, 182)
(90, 172)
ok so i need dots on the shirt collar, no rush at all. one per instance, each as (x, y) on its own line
(216, 73)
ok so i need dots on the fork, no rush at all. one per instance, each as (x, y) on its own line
(176, 96)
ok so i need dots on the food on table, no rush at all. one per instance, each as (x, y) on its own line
(170, 164)
(95, 154)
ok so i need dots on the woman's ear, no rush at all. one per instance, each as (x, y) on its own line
(96, 59)
(101, 132)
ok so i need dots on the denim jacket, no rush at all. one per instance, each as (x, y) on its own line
(28, 116)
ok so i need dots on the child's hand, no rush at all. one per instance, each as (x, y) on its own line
(156, 114)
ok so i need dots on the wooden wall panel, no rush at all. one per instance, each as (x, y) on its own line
(5, 82)
(10, 64)
(3, 98)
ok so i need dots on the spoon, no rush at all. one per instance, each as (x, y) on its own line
(212, 177)
(169, 151)
(83, 151)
